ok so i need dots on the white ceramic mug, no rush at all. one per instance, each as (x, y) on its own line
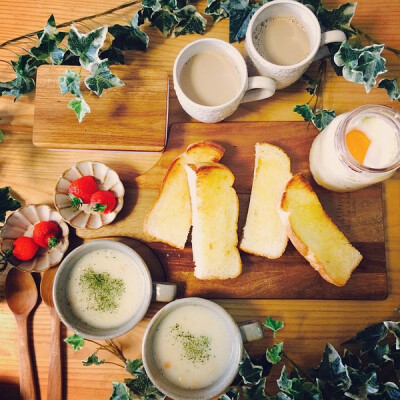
(285, 75)
(251, 89)
(180, 330)
(163, 292)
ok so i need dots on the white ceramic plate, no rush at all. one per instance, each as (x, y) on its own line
(84, 217)
(21, 223)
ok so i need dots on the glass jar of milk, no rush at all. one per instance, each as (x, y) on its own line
(357, 149)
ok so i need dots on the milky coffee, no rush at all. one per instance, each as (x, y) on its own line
(282, 41)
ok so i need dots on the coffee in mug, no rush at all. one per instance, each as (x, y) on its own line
(282, 40)
(210, 78)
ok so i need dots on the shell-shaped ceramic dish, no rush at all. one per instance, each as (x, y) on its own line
(21, 223)
(84, 217)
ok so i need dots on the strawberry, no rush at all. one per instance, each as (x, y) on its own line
(25, 248)
(103, 201)
(81, 190)
(45, 234)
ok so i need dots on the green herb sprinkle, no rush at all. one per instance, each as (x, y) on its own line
(103, 291)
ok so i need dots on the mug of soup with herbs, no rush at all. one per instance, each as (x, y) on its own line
(103, 289)
(192, 348)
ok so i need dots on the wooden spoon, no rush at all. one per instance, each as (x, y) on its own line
(21, 295)
(54, 386)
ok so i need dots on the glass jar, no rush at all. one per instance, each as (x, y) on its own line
(333, 166)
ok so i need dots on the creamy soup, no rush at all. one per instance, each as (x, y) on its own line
(192, 347)
(105, 288)
(210, 78)
(282, 41)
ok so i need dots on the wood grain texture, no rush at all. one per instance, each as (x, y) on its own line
(32, 172)
(359, 215)
(132, 117)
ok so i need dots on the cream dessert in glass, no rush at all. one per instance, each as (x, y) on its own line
(357, 149)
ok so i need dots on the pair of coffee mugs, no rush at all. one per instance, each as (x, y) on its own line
(192, 347)
(271, 76)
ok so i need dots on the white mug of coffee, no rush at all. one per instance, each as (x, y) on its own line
(282, 40)
(192, 348)
(211, 80)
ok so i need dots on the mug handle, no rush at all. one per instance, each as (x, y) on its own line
(164, 291)
(259, 87)
(329, 37)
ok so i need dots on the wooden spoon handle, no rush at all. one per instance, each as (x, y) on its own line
(26, 381)
(54, 388)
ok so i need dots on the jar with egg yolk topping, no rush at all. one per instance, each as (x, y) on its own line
(357, 149)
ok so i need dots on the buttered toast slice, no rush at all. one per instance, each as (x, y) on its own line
(314, 234)
(170, 218)
(215, 211)
(264, 233)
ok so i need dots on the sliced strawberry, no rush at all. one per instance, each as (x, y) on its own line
(103, 201)
(82, 188)
(46, 234)
(25, 248)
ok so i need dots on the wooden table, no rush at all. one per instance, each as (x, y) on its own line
(32, 174)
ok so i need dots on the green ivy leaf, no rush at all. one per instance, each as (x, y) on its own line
(240, 13)
(129, 37)
(87, 46)
(76, 341)
(230, 394)
(69, 83)
(305, 111)
(142, 386)
(250, 373)
(256, 391)
(1, 136)
(312, 84)
(361, 65)
(338, 18)
(362, 384)
(93, 360)
(392, 88)
(215, 10)
(153, 5)
(120, 392)
(332, 371)
(295, 386)
(7, 203)
(134, 367)
(351, 360)
(51, 31)
(387, 391)
(102, 78)
(113, 55)
(273, 324)
(190, 21)
(165, 21)
(323, 118)
(369, 337)
(79, 105)
(274, 355)
(315, 4)
(394, 328)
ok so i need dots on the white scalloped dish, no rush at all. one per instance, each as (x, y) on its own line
(21, 223)
(84, 217)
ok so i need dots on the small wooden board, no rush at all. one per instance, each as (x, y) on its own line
(360, 216)
(132, 117)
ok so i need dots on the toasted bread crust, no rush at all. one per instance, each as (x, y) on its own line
(169, 219)
(298, 241)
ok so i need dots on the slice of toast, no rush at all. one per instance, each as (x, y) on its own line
(314, 234)
(215, 212)
(170, 218)
(264, 234)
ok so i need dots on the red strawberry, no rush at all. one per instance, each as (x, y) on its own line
(25, 248)
(103, 201)
(81, 190)
(45, 234)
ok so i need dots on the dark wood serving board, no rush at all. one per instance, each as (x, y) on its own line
(360, 216)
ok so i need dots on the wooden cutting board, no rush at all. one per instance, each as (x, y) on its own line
(132, 117)
(360, 216)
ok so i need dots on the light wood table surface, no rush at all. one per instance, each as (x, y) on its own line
(32, 173)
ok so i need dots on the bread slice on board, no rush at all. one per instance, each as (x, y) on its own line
(170, 218)
(264, 234)
(215, 212)
(314, 234)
